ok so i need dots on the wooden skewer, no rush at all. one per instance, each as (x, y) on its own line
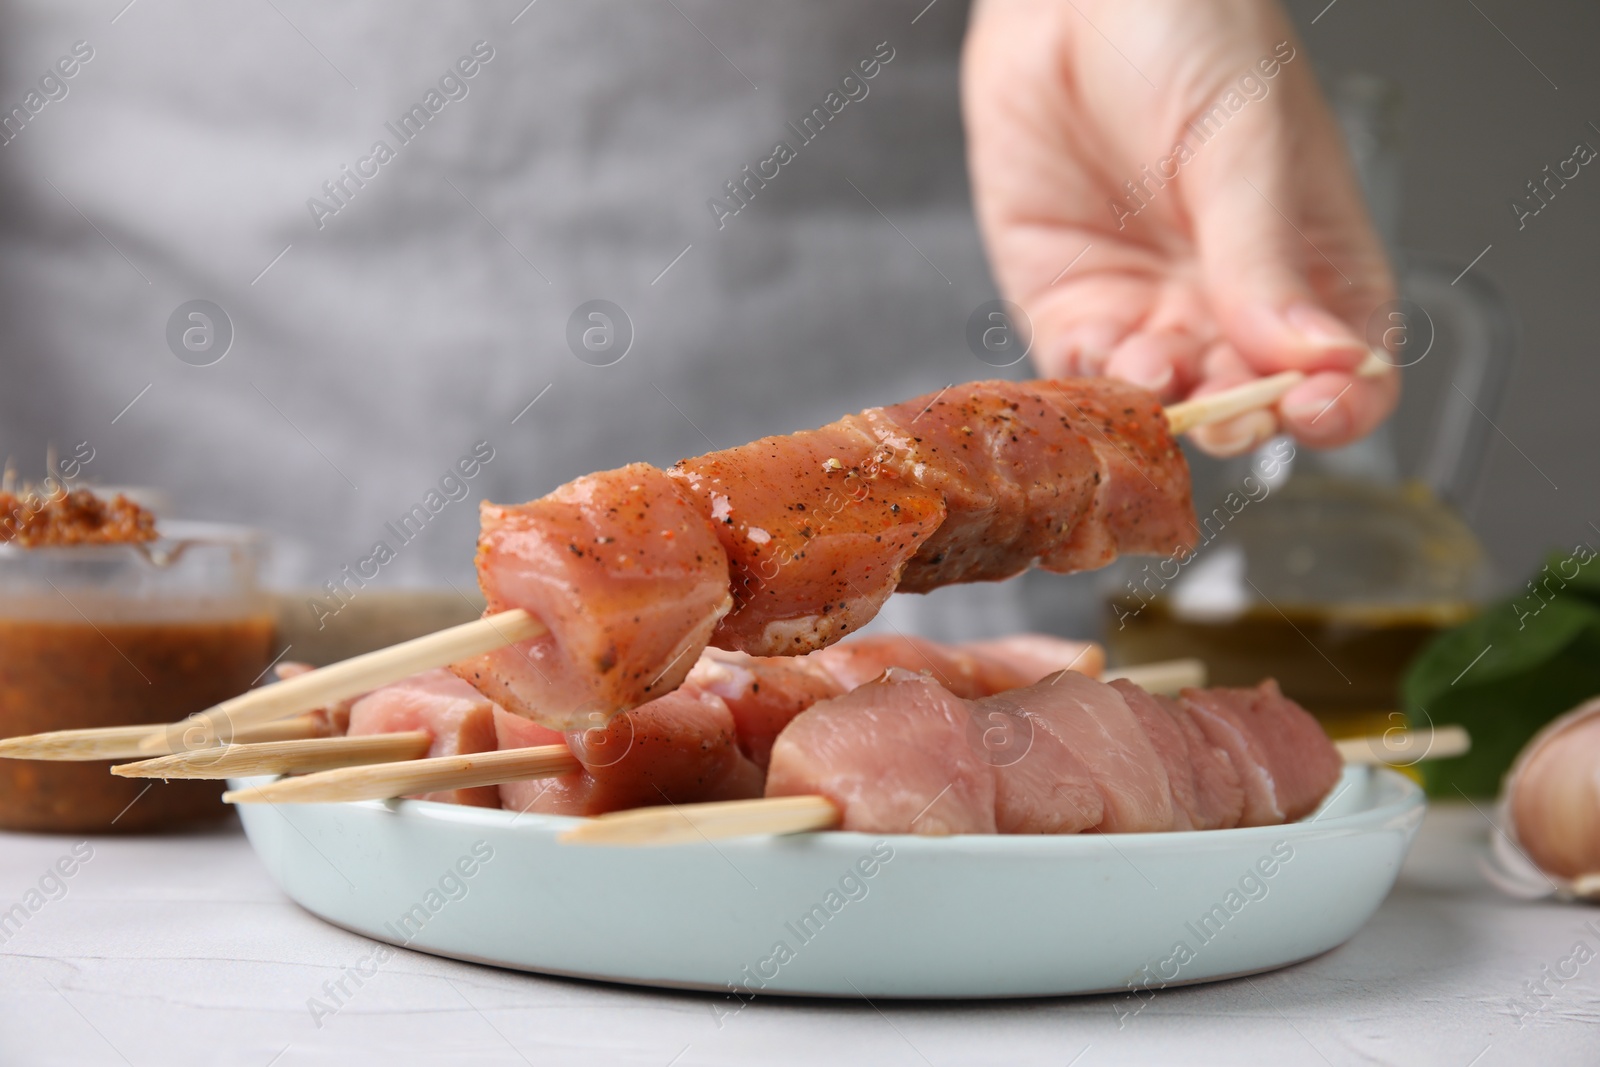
(200, 733)
(282, 757)
(352, 677)
(1202, 410)
(382, 781)
(106, 742)
(339, 681)
(240, 761)
(687, 823)
(1405, 747)
(1165, 677)
(1261, 393)
(127, 742)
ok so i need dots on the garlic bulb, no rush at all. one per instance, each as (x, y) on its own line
(1550, 811)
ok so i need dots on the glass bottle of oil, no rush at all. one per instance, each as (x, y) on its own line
(1328, 584)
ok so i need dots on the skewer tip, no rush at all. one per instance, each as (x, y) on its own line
(680, 824)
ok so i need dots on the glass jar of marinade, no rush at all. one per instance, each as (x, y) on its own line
(98, 635)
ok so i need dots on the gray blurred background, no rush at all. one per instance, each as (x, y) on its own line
(370, 354)
(1484, 115)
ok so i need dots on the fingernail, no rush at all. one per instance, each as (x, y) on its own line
(1318, 326)
(1239, 434)
(1086, 348)
(1322, 418)
(1155, 378)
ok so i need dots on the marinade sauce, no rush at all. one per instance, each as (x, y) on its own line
(63, 674)
(106, 622)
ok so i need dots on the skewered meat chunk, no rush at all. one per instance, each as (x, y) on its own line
(1092, 756)
(334, 718)
(1066, 474)
(678, 749)
(629, 580)
(1015, 474)
(815, 542)
(460, 718)
(1142, 501)
(1073, 713)
(1285, 762)
(969, 670)
(786, 545)
(1206, 791)
(763, 693)
(893, 752)
(1037, 656)
(1042, 786)
(688, 757)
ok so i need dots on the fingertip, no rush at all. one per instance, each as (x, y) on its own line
(1163, 363)
(1328, 410)
(1081, 350)
(1322, 331)
(1237, 435)
(1298, 336)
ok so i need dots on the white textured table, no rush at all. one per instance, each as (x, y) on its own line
(179, 950)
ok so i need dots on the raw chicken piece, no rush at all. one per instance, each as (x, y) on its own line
(763, 693)
(1016, 476)
(1036, 656)
(856, 662)
(760, 694)
(788, 544)
(815, 542)
(1064, 755)
(1205, 784)
(677, 749)
(1042, 785)
(334, 718)
(893, 755)
(1285, 762)
(513, 731)
(1093, 721)
(1142, 498)
(968, 671)
(1171, 743)
(627, 576)
(460, 718)
(766, 692)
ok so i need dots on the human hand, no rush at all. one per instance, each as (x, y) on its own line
(1247, 250)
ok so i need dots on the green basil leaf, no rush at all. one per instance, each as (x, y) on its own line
(1503, 675)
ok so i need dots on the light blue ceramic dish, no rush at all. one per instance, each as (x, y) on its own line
(844, 914)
